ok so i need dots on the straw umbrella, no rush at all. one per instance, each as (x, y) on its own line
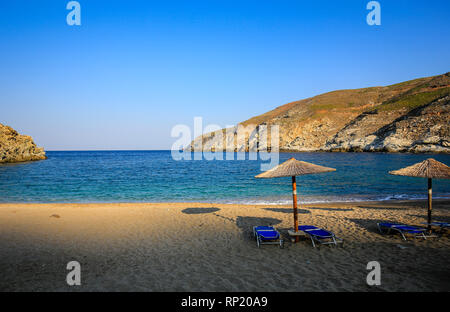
(431, 169)
(293, 168)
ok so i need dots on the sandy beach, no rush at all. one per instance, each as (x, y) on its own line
(209, 247)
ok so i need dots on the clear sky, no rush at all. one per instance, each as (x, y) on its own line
(135, 69)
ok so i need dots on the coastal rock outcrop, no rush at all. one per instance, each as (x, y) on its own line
(412, 116)
(425, 129)
(15, 147)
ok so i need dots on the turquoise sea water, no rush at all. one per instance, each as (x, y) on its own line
(153, 176)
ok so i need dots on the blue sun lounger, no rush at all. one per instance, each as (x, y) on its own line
(267, 235)
(441, 225)
(319, 235)
(403, 229)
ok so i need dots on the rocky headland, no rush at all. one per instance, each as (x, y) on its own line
(15, 147)
(412, 116)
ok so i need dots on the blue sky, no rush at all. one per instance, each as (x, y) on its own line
(135, 69)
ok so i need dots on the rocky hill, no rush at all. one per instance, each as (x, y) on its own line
(17, 148)
(411, 116)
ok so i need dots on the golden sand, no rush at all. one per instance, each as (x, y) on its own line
(209, 247)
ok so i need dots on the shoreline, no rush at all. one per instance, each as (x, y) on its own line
(210, 247)
(388, 201)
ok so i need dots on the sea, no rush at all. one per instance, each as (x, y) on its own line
(155, 176)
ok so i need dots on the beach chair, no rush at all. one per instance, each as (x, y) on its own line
(319, 235)
(267, 235)
(442, 226)
(403, 229)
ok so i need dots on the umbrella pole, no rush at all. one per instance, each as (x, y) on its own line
(294, 198)
(430, 195)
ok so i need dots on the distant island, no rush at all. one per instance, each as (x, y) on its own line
(411, 116)
(15, 147)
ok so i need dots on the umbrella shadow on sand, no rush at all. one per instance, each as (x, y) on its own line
(383, 208)
(287, 210)
(246, 224)
(368, 224)
(199, 210)
(331, 209)
(435, 218)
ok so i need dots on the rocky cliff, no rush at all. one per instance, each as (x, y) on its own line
(17, 148)
(412, 116)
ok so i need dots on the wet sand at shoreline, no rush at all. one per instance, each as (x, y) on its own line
(209, 247)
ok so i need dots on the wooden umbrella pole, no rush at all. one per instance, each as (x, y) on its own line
(294, 198)
(430, 195)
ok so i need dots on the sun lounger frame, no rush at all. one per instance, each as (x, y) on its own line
(441, 225)
(260, 241)
(322, 239)
(395, 227)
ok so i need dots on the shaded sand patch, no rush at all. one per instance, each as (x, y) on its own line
(197, 210)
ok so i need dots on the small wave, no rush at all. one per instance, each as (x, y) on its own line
(333, 199)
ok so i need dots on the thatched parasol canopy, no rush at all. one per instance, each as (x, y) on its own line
(293, 167)
(429, 168)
